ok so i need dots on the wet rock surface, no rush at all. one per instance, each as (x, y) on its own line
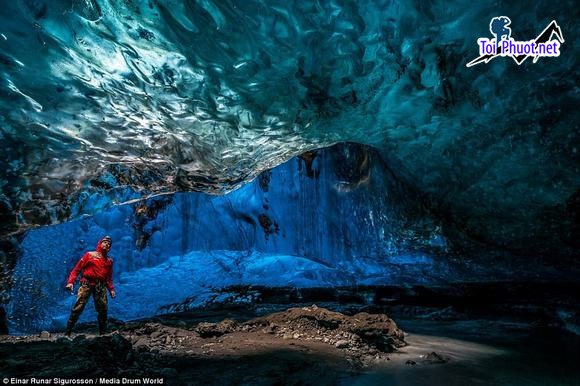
(362, 333)
(282, 348)
(208, 330)
(306, 345)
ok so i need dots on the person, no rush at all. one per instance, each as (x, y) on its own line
(97, 277)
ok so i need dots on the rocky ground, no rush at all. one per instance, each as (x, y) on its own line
(293, 347)
(301, 345)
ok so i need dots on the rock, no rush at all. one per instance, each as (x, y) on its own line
(141, 343)
(79, 339)
(433, 357)
(120, 346)
(342, 344)
(130, 357)
(374, 330)
(208, 330)
(44, 335)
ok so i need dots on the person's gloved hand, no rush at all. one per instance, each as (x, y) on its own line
(69, 287)
(113, 294)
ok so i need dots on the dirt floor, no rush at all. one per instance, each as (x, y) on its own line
(299, 346)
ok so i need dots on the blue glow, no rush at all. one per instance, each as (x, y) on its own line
(286, 228)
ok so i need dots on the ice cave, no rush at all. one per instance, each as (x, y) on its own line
(317, 192)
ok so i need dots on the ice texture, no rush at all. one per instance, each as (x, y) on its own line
(175, 95)
(315, 221)
(104, 102)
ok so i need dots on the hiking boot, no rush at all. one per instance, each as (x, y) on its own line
(102, 326)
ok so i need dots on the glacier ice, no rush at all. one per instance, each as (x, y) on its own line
(104, 102)
(311, 222)
(170, 95)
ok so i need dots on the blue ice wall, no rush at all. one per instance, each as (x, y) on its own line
(331, 217)
(207, 94)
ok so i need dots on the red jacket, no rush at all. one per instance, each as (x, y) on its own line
(94, 269)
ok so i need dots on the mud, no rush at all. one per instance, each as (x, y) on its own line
(293, 347)
(304, 345)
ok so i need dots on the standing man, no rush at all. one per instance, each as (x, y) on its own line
(97, 277)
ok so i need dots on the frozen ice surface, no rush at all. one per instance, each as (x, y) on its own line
(172, 96)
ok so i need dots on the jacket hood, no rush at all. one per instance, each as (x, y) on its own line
(100, 249)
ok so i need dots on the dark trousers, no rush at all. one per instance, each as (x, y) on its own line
(99, 293)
